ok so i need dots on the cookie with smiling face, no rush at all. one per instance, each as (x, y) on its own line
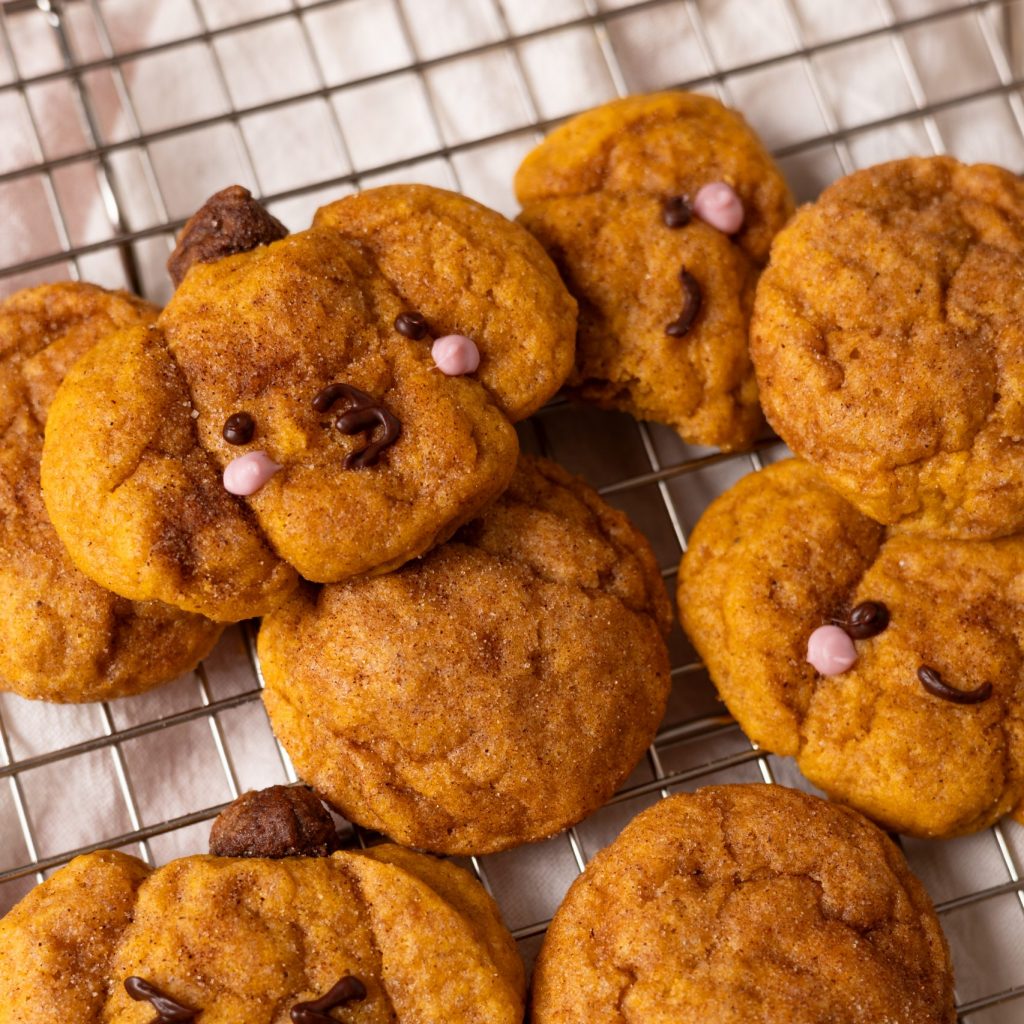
(889, 665)
(62, 637)
(889, 346)
(745, 905)
(490, 694)
(659, 211)
(330, 404)
(279, 933)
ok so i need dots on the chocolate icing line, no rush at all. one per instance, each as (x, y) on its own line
(364, 413)
(169, 1010)
(316, 1011)
(933, 682)
(692, 301)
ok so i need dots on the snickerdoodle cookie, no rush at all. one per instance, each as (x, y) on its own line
(327, 404)
(659, 211)
(888, 338)
(489, 694)
(62, 637)
(745, 905)
(891, 666)
(280, 935)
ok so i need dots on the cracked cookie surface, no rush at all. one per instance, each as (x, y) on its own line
(248, 939)
(594, 193)
(139, 433)
(62, 637)
(781, 554)
(745, 905)
(888, 342)
(490, 694)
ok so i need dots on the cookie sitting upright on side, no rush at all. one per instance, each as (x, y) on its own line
(309, 406)
(63, 638)
(745, 905)
(891, 667)
(659, 211)
(888, 338)
(490, 694)
(272, 934)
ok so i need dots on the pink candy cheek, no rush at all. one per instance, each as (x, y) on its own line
(830, 650)
(455, 355)
(718, 205)
(248, 473)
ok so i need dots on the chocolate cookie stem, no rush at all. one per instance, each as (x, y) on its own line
(350, 989)
(170, 1010)
(230, 221)
(935, 685)
(282, 821)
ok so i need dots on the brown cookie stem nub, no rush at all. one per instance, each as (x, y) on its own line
(282, 821)
(229, 221)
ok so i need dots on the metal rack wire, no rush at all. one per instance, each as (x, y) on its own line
(103, 752)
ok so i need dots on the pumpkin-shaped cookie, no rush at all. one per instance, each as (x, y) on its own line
(268, 929)
(63, 637)
(327, 404)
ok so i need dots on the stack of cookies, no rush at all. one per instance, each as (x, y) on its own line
(860, 608)
(464, 646)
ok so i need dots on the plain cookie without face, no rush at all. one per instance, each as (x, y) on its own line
(260, 940)
(62, 637)
(632, 200)
(490, 694)
(888, 338)
(279, 419)
(745, 905)
(924, 732)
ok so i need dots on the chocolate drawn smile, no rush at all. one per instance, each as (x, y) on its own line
(364, 413)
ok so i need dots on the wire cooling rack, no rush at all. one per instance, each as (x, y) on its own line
(120, 116)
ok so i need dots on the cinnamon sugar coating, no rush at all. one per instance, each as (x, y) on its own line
(607, 194)
(135, 452)
(745, 905)
(62, 637)
(779, 555)
(490, 694)
(888, 339)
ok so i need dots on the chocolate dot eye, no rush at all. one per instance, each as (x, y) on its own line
(676, 212)
(239, 428)
(868, 619)
(412, 325)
